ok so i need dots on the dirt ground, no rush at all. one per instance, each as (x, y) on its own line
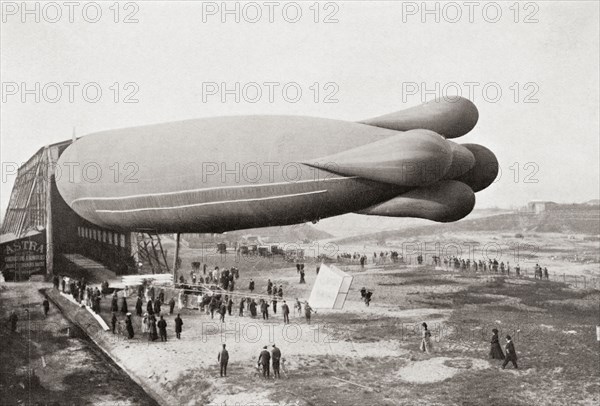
(49, 361)
(370, 355)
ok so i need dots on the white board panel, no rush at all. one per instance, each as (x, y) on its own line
(330, 288)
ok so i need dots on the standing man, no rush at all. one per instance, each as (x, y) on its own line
(511, 354)
(212, 306)
(162, 329)
(286, 313)
(150, 307)
(157, 305)
(229, 306)
(171, 305)
(222, 311)
(264, 360)
(114, 305)
(46, 305)
(223, 359)
(178, 325)
(242, 303)
(113, 322)
(138, 306)
(275, 358)
(307, 312)
(251, 285)
(124, 305)
(97, 304)
(264, 308)
(269, 287)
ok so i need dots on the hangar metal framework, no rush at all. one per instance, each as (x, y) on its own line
(28, 205)
(41, 232)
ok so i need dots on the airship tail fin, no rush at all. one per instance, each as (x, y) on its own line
(462, 161)
(411, 159)
(444, 201)
(451, 117)
(485, 170)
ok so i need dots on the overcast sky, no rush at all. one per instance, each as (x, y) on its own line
(378, 57)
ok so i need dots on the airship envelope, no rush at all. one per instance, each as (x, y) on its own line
(226, 173)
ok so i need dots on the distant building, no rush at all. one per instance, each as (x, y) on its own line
(539, 206)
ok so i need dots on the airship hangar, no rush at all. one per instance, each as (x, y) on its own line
(41, 232)
(193, 177)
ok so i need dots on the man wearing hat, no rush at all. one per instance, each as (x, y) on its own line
(264, 360)
(223, 359)
(138, 306)
(286, 313)
(178, 325)
(307, 311)
(162, 329)
(275, 358)
(511, 354)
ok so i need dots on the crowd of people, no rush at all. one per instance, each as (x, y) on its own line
(215, 294)
(488, 266)
(381, 258)
(449, 262)
(225, 278)
(509, 354)
(213, 291)
(267, 361)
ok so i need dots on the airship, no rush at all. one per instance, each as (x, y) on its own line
(217, 174)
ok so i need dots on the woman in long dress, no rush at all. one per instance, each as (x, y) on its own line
(124, 306)
(180, 300)
(496, 350)
(129, 326)
(426, 345)
(115, 303)
(153, 336)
